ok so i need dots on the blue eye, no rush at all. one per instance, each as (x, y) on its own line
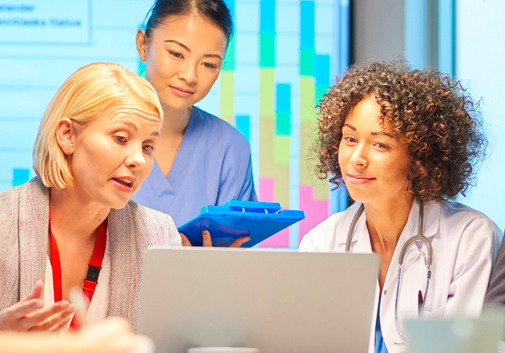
(121, 139)
(148, 148)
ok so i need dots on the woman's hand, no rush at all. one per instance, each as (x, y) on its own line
(207, 241)
(111, 336)
(30, 314)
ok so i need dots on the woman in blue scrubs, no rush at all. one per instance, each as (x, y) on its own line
(200, 159)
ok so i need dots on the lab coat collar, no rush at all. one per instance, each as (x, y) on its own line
(361, 238)
(432, 211)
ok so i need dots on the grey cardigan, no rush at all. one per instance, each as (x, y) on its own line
(24, 225)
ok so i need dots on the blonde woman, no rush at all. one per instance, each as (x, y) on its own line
(74, 225)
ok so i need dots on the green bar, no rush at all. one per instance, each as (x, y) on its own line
(142, 69)
(282, 124)
(229, 58)
(306, 62)
(320, 92)
(281, 150)
(267, 50)
(226, 95)
(267, 77)
(307, 111)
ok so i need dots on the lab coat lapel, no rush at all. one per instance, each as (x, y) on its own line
(33, 235)
(413, 254)
(360, 242)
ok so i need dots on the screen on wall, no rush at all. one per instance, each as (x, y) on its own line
(480, 52)
(282, 58)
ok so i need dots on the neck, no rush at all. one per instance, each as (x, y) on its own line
(74, 218)
(176, 121)
(386, 221)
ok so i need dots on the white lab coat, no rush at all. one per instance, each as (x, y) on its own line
(465, 244)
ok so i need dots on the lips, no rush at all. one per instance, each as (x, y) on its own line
(358, 179)
(183, 92)
(124, 183)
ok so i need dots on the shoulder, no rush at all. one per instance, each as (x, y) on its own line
(12, 195)
(147, 223)
(330, 234)
(470, 228)
(455, 214)
(225, 132)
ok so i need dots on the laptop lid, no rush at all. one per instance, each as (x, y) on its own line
(271, 300)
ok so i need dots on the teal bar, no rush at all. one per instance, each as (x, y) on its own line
(20, 176)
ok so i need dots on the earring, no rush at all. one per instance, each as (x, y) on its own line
(69, 150)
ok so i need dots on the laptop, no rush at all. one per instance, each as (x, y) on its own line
(275, 301)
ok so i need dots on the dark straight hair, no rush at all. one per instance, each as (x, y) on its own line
(215, 11)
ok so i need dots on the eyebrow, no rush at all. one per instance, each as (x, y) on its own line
(374, 133)
(185, 47)
(124, 121)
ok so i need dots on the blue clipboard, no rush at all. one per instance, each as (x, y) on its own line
(234, 219)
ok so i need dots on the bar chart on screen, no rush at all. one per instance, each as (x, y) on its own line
(280, 63)
(282, 57)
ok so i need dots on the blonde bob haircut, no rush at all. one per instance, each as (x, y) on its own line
(84, 96)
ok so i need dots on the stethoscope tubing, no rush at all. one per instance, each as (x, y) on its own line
(418, 237)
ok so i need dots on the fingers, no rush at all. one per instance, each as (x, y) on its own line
(206, 239)
(112, 335)
(36, 292)
(237, 243)
(185, 240)
(11, 316)
(50, 318)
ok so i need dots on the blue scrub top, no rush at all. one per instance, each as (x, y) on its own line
(380, 345)
(212, 166)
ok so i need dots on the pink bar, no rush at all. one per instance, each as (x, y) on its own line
(266, 190)
(281, 239)
(316, 211)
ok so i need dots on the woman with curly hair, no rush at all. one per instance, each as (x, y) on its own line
(404, 143)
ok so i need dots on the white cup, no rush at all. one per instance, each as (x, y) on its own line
(223, 350)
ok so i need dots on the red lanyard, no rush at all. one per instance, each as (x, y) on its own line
(95, 265)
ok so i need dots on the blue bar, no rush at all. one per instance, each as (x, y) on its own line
(267, 16)
(344, 36)
(307, 31)
(416, 41)
(20, 176)
(242, 125)
(322, 70)
(283, 98)
(446, 37)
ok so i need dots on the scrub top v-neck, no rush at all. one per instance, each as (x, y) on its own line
(212, 166)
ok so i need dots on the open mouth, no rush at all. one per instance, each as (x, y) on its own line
(127, 183)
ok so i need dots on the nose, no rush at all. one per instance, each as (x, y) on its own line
(187, 72)
(359, 156)
(135, 158)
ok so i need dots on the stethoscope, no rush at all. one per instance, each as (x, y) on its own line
(419, 237)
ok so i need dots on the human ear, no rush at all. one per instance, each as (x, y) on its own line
(65, 133)
(141, 44)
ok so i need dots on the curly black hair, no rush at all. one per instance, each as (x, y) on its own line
(433, 115)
